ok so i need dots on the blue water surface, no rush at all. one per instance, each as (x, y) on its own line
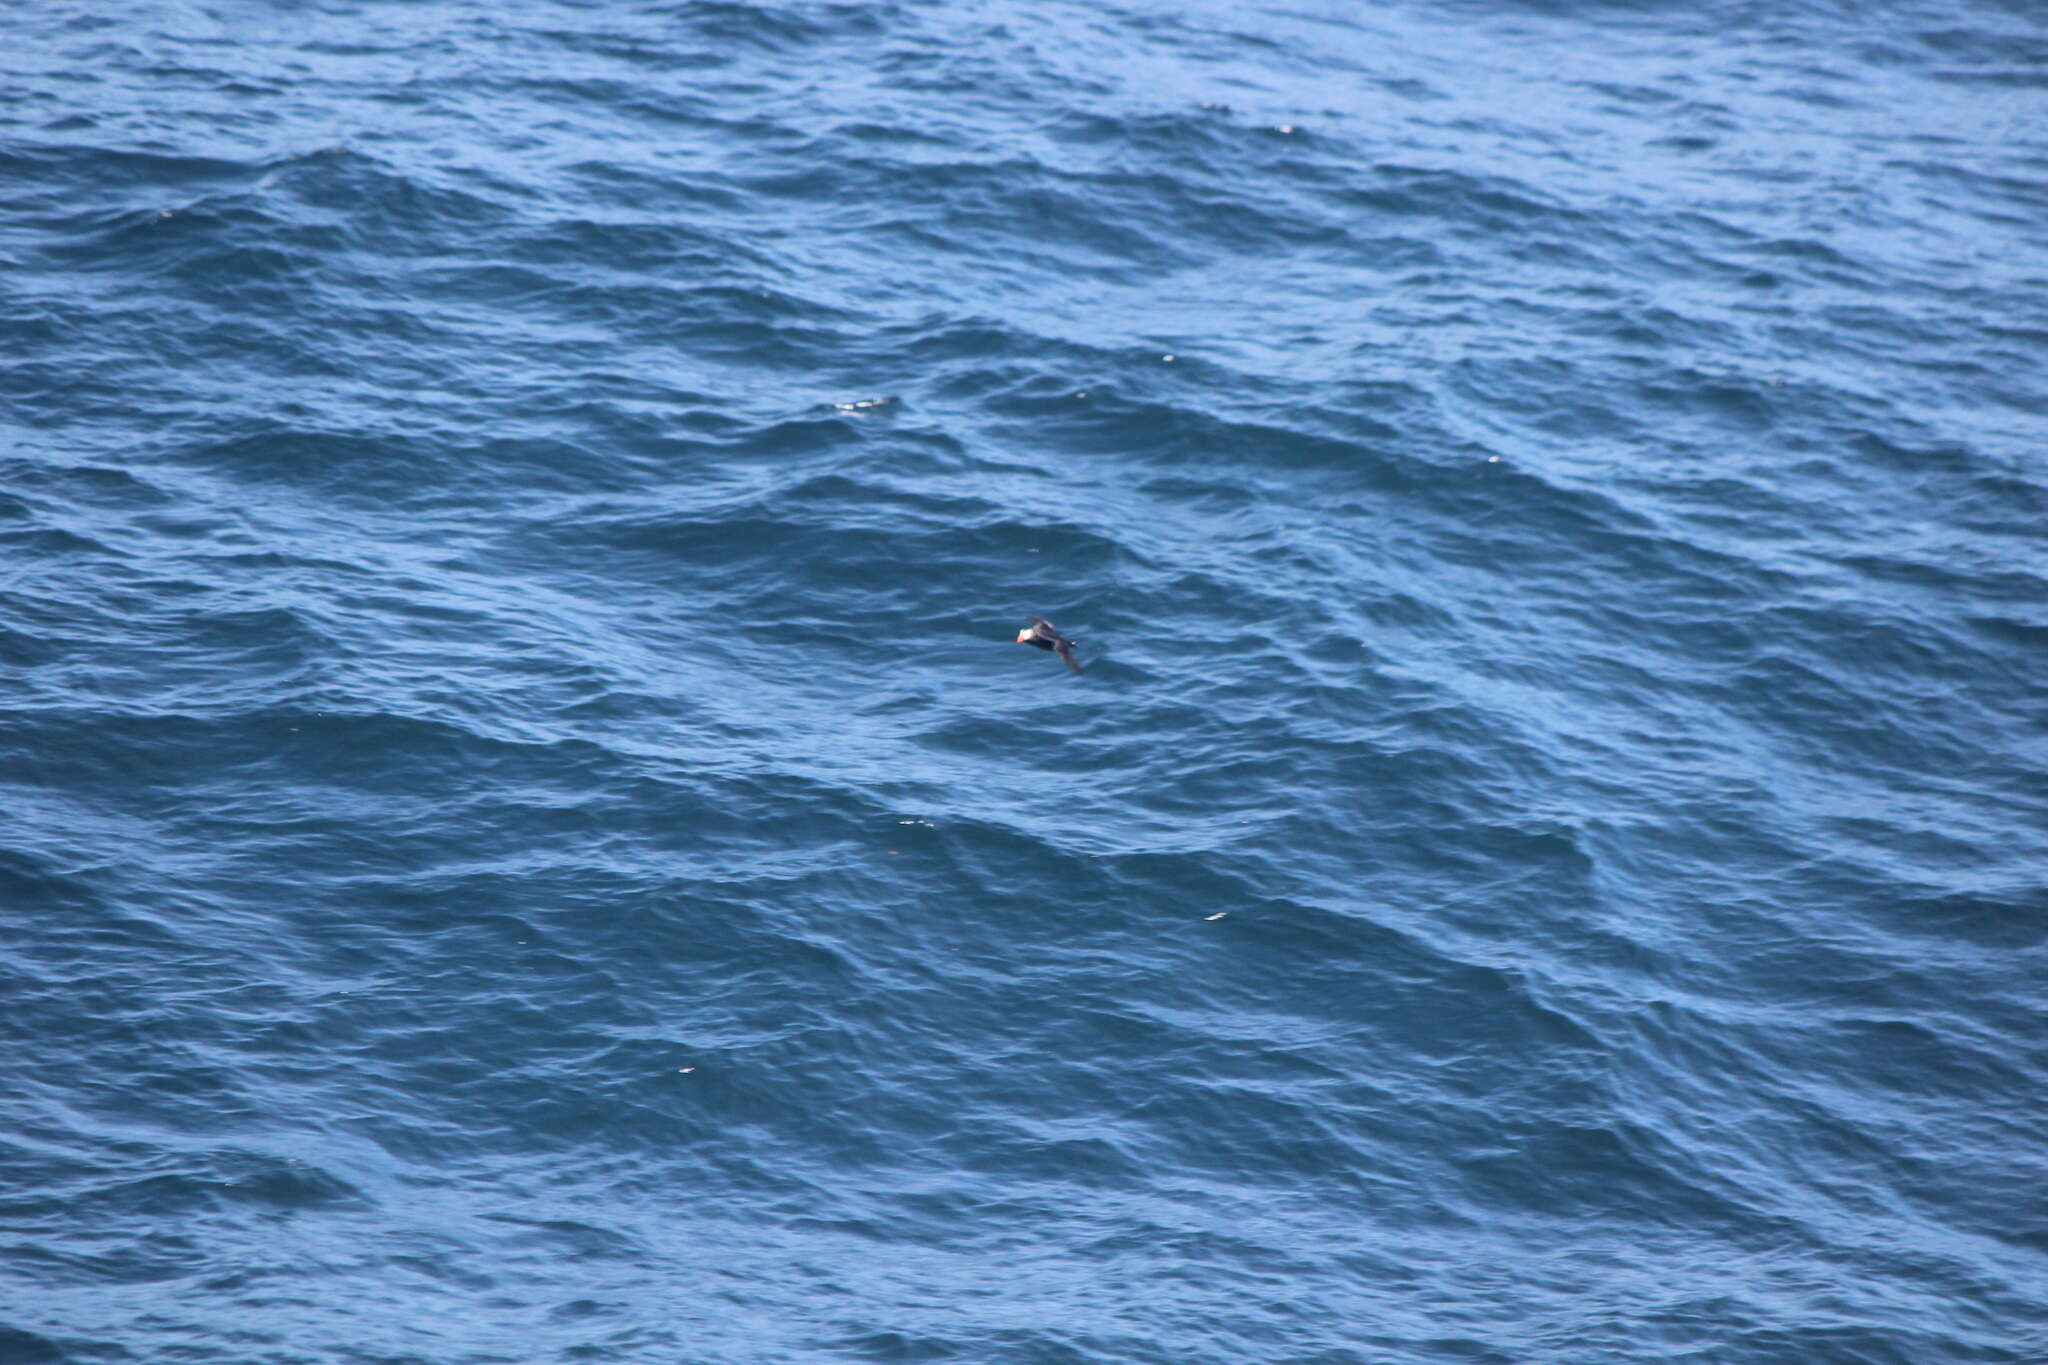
(525, 835)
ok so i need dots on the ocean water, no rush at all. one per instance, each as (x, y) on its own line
(525, 835)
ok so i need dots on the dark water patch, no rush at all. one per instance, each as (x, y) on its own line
(646, 49)
(349, 198)
(1071, 229)
(383, 469)
(1128, 424)
(30, 1349)
(642, 243)
(129, 168)
(783, 31)
(26, 879)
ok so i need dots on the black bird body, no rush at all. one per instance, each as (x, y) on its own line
(1041, 635)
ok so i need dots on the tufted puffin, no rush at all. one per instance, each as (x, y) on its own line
(1041, 635)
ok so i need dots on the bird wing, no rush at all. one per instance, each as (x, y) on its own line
(1065, 649)
(1043, 622)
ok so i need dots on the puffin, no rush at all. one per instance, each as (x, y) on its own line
(1041, 635)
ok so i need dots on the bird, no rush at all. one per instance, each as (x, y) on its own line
(1042, 635)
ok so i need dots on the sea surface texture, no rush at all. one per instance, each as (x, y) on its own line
(526, 834)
